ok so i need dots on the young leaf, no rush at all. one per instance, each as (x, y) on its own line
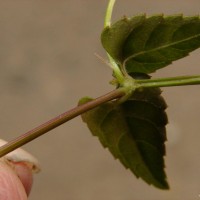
(145, 44)
(134, 132)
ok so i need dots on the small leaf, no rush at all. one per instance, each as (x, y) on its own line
(134, 132)
(146, 44)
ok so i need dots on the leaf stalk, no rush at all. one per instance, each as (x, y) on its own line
(168, 82)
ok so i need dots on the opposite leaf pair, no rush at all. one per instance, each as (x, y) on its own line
(134, 131)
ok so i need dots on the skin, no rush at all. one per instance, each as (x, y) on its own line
(15, 180)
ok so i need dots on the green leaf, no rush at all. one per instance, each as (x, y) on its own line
(145, 44)
(134, 132)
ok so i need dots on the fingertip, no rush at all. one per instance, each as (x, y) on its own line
(11, 188)
(25, 175)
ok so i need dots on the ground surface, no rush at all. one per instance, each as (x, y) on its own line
(47, 63)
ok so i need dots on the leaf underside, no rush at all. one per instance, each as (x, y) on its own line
(134, 132)
(145, 44)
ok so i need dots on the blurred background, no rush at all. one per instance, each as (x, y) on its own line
(47, 64)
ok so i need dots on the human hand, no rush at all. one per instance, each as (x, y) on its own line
(16, 174)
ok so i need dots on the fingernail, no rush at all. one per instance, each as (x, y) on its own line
(23, 164)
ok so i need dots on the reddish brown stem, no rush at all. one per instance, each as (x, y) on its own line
(57, 121)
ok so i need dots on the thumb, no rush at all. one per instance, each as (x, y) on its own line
(25, 174)
(11, 187)
(16, 174)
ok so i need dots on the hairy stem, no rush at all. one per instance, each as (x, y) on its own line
(57, 121)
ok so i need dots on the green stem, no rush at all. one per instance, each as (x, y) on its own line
(116, 70)
(57, 121)
(109, 11)
(107, 22)
(166, 82)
